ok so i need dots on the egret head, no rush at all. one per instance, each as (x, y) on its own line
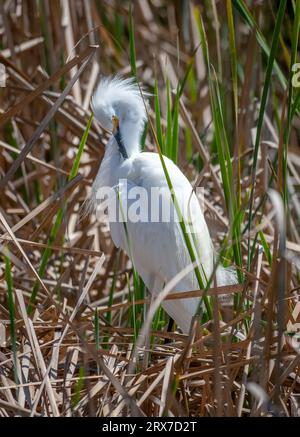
(119, 107)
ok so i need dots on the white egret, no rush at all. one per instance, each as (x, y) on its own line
(157, 249)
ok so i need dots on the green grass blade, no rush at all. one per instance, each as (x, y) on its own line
(11, 309)
(265, 247)
(186, 75)
(82, 143)
(233, 57)
(96, 328)
(264, 97)
(132, 43)
(158, 118)
(169, 119)
(175, 128)
(78, 387)
(296, 104)
(144, 136)
(157, 323)
(234, 75)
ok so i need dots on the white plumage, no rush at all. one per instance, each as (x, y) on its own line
(157, 248)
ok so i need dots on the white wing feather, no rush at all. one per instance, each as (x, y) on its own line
(158, 249)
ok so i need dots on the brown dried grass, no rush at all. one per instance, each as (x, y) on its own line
(58, 370)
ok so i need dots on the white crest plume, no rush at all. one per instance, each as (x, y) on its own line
(120, 97)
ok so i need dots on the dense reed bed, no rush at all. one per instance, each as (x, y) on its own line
(225, 107)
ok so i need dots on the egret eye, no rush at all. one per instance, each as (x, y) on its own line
(115, 123)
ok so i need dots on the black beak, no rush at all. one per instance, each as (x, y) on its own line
(120, 143)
